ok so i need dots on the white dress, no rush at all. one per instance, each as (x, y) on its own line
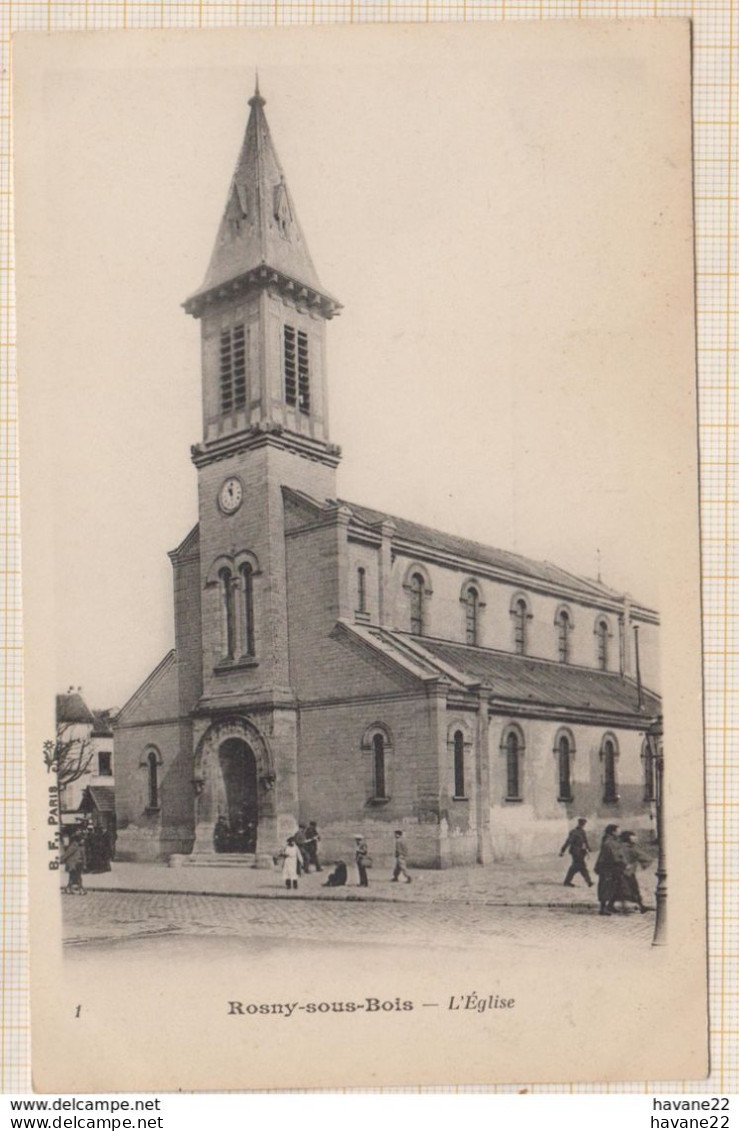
(290, 866)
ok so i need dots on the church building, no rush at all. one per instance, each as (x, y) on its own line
(338, 664)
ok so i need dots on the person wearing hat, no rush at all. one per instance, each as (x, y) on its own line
(361, 856)
(609, 868)
(578, 848)
(401, 858)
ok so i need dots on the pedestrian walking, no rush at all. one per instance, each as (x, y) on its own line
(609, 868)
(578, 848)
(310, 847)
(634, 859)
(363, 860)
(73, 859)
(292, 862)
(401, 858)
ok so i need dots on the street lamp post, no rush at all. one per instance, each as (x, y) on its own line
(655, 747)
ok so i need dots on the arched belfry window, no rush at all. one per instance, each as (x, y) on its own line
(563, 625)
(228, 612)
(609, 762)
(521, 616)
(377, 748)
(296, 367)
(233, 368)
(472, 605)
(246, 572)
(512, 749)
(602, 634)
(564, 749)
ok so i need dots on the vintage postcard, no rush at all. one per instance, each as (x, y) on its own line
(360, 547)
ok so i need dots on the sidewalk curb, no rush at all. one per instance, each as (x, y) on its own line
(348, 898)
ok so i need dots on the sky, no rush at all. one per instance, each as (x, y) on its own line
(505, 217)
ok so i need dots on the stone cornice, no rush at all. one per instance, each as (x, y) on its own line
(586, 716)
(264, 278)
(265, 434)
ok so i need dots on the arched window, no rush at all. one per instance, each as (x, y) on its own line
(361, 590)
(458, 764)
(247, 605)
(152, 771)
(601, 643)
(647, 772)
(472, 615)
(563, 624)
(564, 749)
(229, 621)
(378, 765)
(512, 748)
(520, 614)
(609, 754)
(417, 602)
(377, 749)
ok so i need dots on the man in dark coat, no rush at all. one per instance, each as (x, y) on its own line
(578, 848)
(310, 847)
(609, 869)
(338, 877)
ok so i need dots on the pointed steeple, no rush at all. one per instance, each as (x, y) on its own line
(259, 238)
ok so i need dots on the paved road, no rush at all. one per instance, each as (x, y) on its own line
(101, 919)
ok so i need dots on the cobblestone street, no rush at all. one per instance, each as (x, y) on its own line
(102, 919)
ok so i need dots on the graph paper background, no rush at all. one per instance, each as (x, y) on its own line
(716, 142)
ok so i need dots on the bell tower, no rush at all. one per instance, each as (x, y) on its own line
(263, 314)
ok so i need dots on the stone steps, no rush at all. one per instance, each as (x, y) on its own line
(222, 860)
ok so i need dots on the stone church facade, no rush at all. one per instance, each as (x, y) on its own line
(338, 664)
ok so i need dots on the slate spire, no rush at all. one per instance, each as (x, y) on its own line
(259, 228)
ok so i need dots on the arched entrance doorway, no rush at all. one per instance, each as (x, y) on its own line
(234, 794)
(238, 818)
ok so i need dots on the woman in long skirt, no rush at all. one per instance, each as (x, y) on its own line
(609, 868)
(634, 859)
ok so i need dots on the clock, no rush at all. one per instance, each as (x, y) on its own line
(230, 495)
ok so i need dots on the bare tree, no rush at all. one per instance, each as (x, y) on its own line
(68, 756)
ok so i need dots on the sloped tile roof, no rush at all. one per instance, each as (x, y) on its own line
(71, 708)
(101, 797)
(543, 683)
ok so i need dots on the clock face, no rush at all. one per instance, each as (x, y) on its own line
(230, 495)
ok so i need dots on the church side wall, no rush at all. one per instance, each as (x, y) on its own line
(538, 823)
(321, 665)
(146, 833)
(445, 616)
(337, 779)
(188, 635)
